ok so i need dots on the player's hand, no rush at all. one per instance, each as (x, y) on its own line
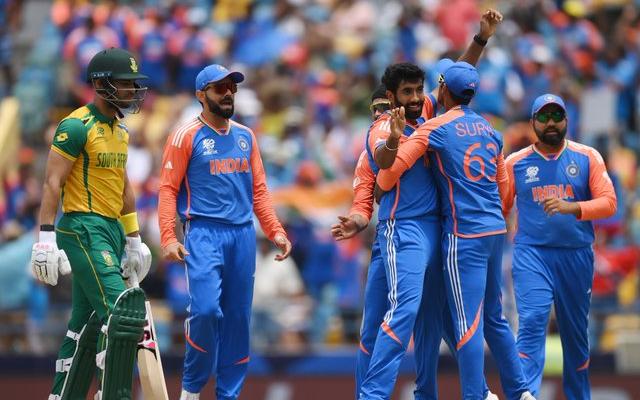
(284, 245)
(489, 23)
(347, 228)
(136, 258)
(553, 206)
(47, 261)
(398, 122)
(174, 252)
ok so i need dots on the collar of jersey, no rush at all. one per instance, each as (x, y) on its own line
(546, 157)
(204, 121)
(97, 114)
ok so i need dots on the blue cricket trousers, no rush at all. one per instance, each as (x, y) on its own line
(220, 271)
(407, 247)
(546, 275)
(473, 280)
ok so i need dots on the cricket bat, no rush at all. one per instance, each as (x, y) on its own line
(149, 362)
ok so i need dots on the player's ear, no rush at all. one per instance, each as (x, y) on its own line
(200, 95)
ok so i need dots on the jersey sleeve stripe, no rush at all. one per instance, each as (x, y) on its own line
(519, 155)
(182, 131)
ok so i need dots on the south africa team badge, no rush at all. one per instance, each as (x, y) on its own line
(107, 258)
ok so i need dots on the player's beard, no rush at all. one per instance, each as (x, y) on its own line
(550, 139)
(408, 113)
(217, 110)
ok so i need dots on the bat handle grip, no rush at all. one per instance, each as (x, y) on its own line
(134, 279)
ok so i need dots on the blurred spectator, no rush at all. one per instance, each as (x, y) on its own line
(195, 46)
(9, 22)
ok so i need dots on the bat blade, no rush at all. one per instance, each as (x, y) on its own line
(152, 380)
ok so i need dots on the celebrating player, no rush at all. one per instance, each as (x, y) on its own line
(86, 167)
(410, 238)
(212, 174)
(559, 186)
(471, 180)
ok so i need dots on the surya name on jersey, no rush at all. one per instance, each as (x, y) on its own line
(473, 129)
(111, 160)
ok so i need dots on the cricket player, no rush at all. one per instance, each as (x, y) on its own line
(559, 187)
(212, 174)
(471, 179)
(410, 239)
(375, 299)
(86, 168)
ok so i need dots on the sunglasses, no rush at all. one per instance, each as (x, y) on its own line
(544, 117)
(222, 88)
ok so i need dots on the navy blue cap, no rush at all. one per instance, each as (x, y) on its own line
(461, 78)
(547, 99)
(214, 73)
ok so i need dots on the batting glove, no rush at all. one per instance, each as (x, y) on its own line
(47, 261)
(137, 258)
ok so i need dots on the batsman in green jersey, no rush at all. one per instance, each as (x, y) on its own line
(97, 237)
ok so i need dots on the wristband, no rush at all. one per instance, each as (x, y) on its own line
(130, 223)
(47, 228)
(480, 41)
(389, 148)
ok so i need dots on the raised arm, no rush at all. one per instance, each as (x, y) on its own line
(488, 24)
(409, 152)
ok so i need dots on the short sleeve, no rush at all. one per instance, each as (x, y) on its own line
(70, 138)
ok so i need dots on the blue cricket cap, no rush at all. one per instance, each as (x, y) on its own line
(461, 78)
(214, 73)
(547, 99)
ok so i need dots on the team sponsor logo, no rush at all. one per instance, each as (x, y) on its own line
(107, 258)
(100, 131)
(62, 137)
(229, 166)
(573, 170)
(133, 65)
(209, 145)
(244, 145)
(168, 165)
(532, 174)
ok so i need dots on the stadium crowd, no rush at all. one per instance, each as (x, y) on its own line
(311, 66)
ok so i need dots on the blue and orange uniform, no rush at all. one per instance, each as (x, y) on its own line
(375, 292)
(408, 236)
(467, 154)
(553, 259)
(216, 181)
